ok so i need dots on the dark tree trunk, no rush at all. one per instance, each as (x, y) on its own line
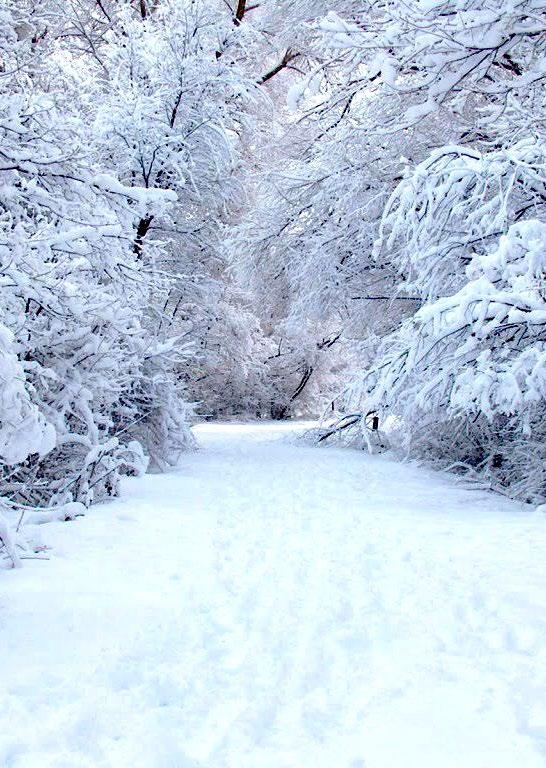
(142, 231)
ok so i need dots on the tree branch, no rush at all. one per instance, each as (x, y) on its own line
(283, 64)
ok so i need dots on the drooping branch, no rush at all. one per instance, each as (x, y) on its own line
(304, 379)
(307, 373)
(350, 420)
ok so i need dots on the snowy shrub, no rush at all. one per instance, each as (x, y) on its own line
(23, 429)
(458, 90)
(455, 202)
(476, 360)
(81, 361)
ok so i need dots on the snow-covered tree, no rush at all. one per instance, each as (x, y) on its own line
(251, 205)
(414, 146)
(463, 378)
(82, 365)
(466, 376)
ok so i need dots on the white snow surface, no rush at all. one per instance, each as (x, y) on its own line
(277, 605)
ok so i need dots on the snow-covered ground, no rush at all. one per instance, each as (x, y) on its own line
(272, 605)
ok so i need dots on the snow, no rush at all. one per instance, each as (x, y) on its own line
(276, 605)
(295, 94)
(8, 542)
(23, 429)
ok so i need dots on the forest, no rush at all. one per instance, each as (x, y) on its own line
(273, 286)
(270, 210)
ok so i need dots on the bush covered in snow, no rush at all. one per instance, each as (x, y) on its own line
(88, 386)
(402, 212)
(466, 375)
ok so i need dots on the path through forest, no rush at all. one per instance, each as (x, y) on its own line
(275, 605)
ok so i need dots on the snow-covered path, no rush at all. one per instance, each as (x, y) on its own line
(272, 605)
